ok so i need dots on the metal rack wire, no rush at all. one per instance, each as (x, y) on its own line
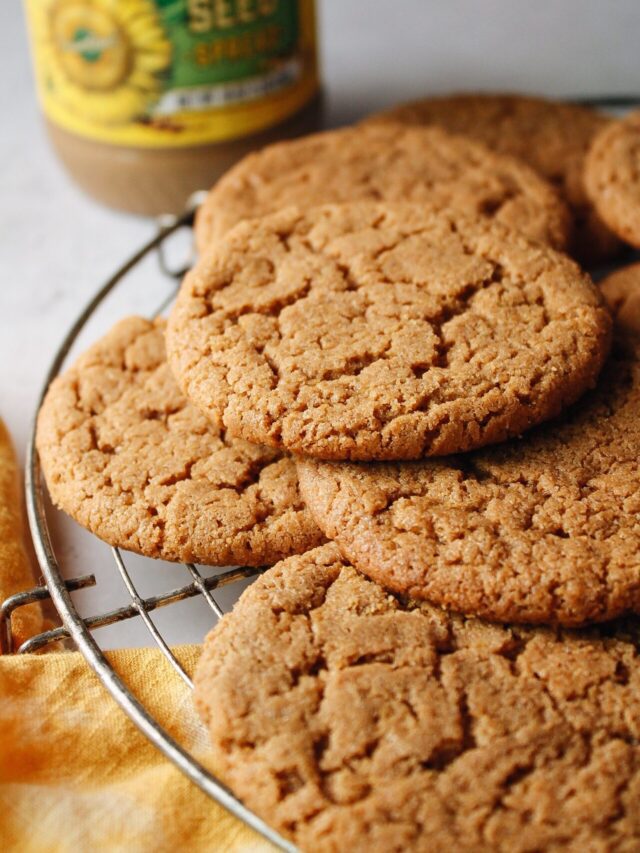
(79, 629)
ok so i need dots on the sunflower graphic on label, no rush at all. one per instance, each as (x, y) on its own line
(106, 61)
(172, 72)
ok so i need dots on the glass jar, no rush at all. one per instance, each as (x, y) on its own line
(146, 101)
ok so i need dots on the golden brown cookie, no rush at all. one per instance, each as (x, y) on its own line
(354, 721)
(128, 457)
(545, 529)
(549, 136)
(612, 175)
(15, 569)
(376, 331)
(621, 290)
(388, 163)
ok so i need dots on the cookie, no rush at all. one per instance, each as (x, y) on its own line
(545, 529)
(612, 174)
(351, 720)
(550, 137)
(621, 290)
(127, 456)
(377, 331)
(15, 568)
(391, 163)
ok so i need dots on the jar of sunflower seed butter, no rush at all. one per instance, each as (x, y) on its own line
(146, 101)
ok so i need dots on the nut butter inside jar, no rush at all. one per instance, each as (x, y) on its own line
(148, 100)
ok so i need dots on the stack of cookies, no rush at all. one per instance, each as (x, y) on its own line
(387, 379)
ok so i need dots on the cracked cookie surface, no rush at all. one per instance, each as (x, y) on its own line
(544, 529)
(128, 457)
(391, 163)
(378, 331)
(551, 137)
(612, 173)
(352, 720)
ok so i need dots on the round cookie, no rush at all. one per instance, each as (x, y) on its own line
(129, 458)
(376, 331)
(621, 290)
(551, 137)
(388, 163)
(612, 175)
(545, 529)
(351, 720)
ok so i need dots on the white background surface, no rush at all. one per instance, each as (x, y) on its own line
(56, 246)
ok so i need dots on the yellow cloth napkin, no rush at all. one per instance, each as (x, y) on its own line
(76, 775)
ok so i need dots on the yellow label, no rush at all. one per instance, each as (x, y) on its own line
(167, 73)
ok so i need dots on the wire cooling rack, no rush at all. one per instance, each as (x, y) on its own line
(79, 629)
